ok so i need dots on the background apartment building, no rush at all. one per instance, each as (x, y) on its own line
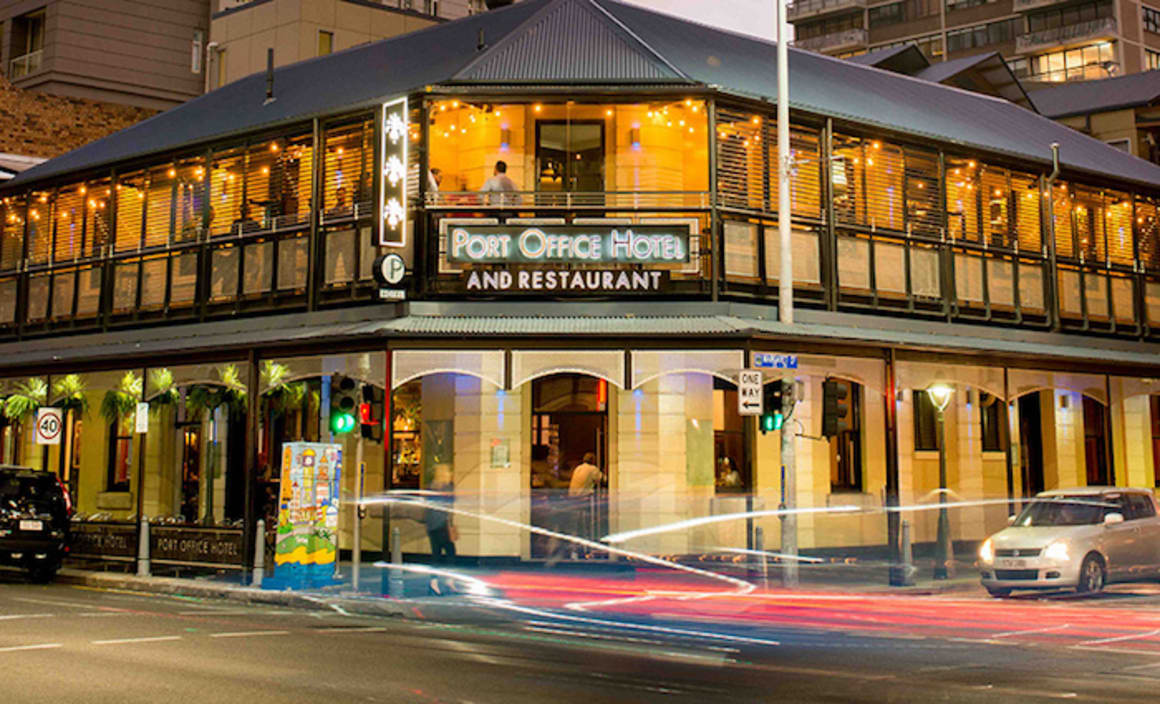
(1042, 40)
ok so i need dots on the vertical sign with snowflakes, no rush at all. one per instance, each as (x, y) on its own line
(393, 188)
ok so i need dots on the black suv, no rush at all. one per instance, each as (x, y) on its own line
(35, 509)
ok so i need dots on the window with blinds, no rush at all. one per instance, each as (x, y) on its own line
(39, 227)
(69, 221)
(346, 167)
(290, 186)
(261, 160)
(995, 193)
(805, 188)
(848, 181)
(159, 205)
(1061, 206)
(1148, 231)
(130, 191)
(226, 191)
(98, 222)
(884, 193)
(742, 163)
(1088, 214)
(1118, 228)
(923, 210)
(189, 204)
(962, 200)
(1025, 201)
(11, 232)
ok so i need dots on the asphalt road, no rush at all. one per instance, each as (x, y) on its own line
(63, 643)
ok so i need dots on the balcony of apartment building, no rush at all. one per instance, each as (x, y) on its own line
(834, 41)
(1090, 30)
(26, 50)
(809, 9)
(1028, 5)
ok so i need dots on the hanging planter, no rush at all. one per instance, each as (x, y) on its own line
(70, 393)
(29, 395)
(122, 399)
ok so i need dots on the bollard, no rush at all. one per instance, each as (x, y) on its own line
(143, 550)
(259, 554)
(396, 559)
(759, 546)
(908, 569)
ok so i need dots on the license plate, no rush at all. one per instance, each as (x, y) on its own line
(32, 525)
(1009, 563)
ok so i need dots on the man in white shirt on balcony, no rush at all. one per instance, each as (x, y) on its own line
(501, 184)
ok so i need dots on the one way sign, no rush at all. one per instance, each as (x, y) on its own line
(750, 401)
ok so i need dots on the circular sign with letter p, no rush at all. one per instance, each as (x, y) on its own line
(49, 423)
(390, 269)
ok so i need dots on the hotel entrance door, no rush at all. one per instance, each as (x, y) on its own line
(569, 421)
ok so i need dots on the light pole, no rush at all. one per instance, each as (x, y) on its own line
(940, 395)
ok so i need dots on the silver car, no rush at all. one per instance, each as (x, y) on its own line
(1076, 539)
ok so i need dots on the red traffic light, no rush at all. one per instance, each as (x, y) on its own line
(364, 414)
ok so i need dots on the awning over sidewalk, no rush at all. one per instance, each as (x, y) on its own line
(700, 325)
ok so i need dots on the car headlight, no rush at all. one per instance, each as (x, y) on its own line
(987, 551)
(1056, 551)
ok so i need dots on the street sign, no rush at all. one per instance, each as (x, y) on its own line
(749, 398)
(49, 423)
(390, 269)
(142, 424)
(768, 360)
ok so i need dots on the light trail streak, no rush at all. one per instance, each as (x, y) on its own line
(477, 587)
(742, 586)
(766, 553)
(723, 518)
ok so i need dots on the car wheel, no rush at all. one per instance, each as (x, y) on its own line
(1091, 575)
(999, 593)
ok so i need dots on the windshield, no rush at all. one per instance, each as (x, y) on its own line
(1065, 511)
(22, 491)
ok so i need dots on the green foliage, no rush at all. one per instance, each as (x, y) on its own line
(282, 396)
(70, 390)
(231, 393)
(122, 399)
(164, 388)
(30, 395)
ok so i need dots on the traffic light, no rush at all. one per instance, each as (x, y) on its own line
(370, 412)
(772, 416)
(343, 404)
(836, 415)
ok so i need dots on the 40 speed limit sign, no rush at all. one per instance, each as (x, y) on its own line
(49, 424)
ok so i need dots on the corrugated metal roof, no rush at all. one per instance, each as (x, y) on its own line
(906, 59)
(599, 51)
(733, 63)
(982, 73)
(1078, 98)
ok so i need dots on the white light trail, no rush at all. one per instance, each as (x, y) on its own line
(722, 518)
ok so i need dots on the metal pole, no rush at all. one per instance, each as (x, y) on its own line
(907, 576)
(259, 553)
(143, 549)
(789, 544)
(396, 589)
(890, 407)
(356, 549)
(759, 546)
(942, 549)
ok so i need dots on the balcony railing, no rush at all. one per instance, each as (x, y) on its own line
(1056, 36)
(569, 200)
(846, 39)
(1025, 5)
(24, 65)
(801, 9)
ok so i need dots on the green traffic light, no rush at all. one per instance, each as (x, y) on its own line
(771, 422)
(341, 423)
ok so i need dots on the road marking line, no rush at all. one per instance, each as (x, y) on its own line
(13, 617)
(52, 602)
(41, 646)
(1142, 667)
(219, 612)
(243, 634)
(1134, 636)
(151, 639)
(353, 629)
(1034, 630)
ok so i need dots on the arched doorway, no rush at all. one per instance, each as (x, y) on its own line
(569, 420)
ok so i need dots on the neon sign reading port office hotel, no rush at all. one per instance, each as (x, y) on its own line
(643, 244)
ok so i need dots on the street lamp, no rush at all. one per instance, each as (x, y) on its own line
(940, 395)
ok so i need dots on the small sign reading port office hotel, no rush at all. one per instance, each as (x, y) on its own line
(568, 244)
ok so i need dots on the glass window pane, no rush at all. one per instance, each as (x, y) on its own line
(224, 274)
(89, 292)
(292, 255)
(1001, 282)
(38, 297)
(130, 209)
(740, 250)
(153, 283)
(258, 268)
(63, 287)
(8, 301)
(125, 288)
(339, 257)
(69, 217)
(968, 279)
(889, 270)
(159, 205)
(1031, 288)
(183, 280)
(226, 178)
(854, 263)
(924, 273)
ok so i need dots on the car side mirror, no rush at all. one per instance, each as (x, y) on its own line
(1113, 518)
(1010, 520)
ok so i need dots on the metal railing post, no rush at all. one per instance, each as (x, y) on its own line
(143, 550)
(396, 581)
(259, 553)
